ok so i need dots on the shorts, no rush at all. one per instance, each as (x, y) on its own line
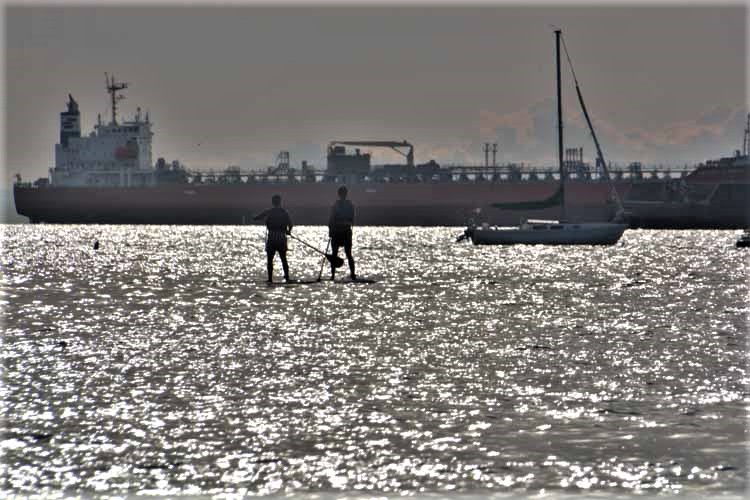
(276, 241)
(342, 237)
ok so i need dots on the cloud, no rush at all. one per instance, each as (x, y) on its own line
(718, 115)
(530, 131)
(459, 153)
(520, 122)
(711, 127)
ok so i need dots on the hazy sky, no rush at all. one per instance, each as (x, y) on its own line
(237, 84)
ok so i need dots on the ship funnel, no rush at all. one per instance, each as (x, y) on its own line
(70, 122)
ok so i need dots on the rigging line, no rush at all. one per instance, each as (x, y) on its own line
(599, 152)
(570, 63)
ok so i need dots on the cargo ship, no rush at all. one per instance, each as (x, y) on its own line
(109, 177)
(716, 195)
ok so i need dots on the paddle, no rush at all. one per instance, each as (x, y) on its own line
(322, 263)
(335, 260)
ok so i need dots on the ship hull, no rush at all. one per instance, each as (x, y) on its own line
(378, 204)
(687, 216)
(727, 207)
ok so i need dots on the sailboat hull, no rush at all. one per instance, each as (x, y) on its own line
(550, 234)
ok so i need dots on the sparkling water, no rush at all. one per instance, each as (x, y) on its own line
(161, 363)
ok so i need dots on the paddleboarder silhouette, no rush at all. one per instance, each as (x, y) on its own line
(340, 229)
(279, 224)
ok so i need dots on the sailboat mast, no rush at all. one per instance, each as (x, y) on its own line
(560, 129)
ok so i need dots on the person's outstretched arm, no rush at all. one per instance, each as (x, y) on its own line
(261, 215)
(288, 224)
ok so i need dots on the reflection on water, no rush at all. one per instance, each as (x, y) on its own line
(162, 363)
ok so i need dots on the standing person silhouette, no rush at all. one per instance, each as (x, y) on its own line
(340, 229)
(279, 224)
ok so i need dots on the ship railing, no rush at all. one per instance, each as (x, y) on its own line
(455, 174)
(452, 174)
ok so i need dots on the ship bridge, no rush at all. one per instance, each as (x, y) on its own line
(113, 154)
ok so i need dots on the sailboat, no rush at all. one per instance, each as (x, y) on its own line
(559, 232)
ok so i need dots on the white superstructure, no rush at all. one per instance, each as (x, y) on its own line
(114, 154)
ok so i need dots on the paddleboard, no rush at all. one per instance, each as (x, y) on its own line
(365, 281)
(291, 282)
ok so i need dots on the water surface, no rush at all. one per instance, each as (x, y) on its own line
(162, 364)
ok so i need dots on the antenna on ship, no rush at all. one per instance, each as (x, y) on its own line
(113, 88)
(746, 139)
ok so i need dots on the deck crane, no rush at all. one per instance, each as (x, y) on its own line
(394, 145)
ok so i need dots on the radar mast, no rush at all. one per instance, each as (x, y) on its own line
(113, 88)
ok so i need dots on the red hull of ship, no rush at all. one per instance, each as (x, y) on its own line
(378, 204)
